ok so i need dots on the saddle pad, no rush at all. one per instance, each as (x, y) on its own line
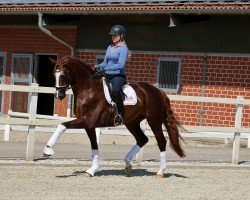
(130, 98)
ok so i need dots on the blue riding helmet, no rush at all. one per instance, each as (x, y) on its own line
(117, 29)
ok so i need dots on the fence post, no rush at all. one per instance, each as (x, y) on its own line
(69, 105)
(6, 136)
(98, 133)
(238, 119)
(226, 141)
(7, 129)
(248, 143)
(31, 128)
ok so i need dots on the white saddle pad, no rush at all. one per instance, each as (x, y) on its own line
(130, 99)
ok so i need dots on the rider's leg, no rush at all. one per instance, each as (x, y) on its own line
(48, 150)
(120, 107)
(117, 84)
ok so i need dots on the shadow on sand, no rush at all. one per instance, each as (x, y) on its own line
(121, 172)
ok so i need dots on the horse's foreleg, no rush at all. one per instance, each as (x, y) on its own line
(48, 150)
(76, 123)
(95, 152)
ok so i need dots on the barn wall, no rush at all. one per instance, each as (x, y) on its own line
(217, 34)
(227, 76)
(32, 40)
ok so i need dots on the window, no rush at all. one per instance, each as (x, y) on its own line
(168, 74)
(2, 78)
(21, 74)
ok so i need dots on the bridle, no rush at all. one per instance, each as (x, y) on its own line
(67, 87)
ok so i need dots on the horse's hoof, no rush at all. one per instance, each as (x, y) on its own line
(86, 174)
(128, 168)
(48, 151)
(46, 156)
(160, 175)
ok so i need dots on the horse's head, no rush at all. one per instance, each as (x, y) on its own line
(63, 75)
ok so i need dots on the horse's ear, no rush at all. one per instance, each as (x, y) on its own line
(53, 61)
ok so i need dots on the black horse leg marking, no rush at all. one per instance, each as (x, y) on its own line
(92, 137)
(135, 129)
(159, 136)
(141, 140)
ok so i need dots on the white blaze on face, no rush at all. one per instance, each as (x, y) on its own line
(57, 75)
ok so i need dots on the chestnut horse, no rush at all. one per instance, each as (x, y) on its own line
(91, 108)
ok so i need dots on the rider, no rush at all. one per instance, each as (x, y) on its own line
(114, 66)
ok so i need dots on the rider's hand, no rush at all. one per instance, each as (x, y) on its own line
(97, 68)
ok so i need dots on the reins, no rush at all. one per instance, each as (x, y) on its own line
(66, 88)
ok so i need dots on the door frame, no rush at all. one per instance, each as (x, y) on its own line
(3, 79)
(36, 63)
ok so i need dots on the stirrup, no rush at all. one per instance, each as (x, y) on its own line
(118, 120)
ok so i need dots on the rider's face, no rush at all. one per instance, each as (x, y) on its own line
(116, 38)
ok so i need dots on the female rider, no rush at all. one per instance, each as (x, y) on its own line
(114, 67)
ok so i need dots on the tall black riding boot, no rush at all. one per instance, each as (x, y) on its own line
(119, 119)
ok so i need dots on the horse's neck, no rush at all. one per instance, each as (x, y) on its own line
(83, 87)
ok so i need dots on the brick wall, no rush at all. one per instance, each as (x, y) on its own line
(32, 40)
(227, 76)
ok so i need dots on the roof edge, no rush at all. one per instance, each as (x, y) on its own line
(129, 9)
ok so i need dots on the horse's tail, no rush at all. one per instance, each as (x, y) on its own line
(172, 123)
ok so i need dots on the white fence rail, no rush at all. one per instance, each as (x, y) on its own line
(33, 120)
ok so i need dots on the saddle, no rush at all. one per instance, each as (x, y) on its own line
(128, 93)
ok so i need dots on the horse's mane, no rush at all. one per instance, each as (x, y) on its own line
(66, 60)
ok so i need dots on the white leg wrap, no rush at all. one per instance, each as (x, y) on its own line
(95, 162)
(131, 154)
(163, 162)
(59, 130)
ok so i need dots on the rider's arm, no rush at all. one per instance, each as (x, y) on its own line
(122, 60)
(105, 61)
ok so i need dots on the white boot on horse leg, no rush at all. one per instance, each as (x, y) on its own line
(163, 164)
(129, 157)
(95, 163)
(48, 150)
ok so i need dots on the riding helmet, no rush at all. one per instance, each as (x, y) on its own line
(117, 29)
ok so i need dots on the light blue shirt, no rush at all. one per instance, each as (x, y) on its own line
(115, 59)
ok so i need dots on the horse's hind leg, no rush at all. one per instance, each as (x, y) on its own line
(156, 127)
(141, 140)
